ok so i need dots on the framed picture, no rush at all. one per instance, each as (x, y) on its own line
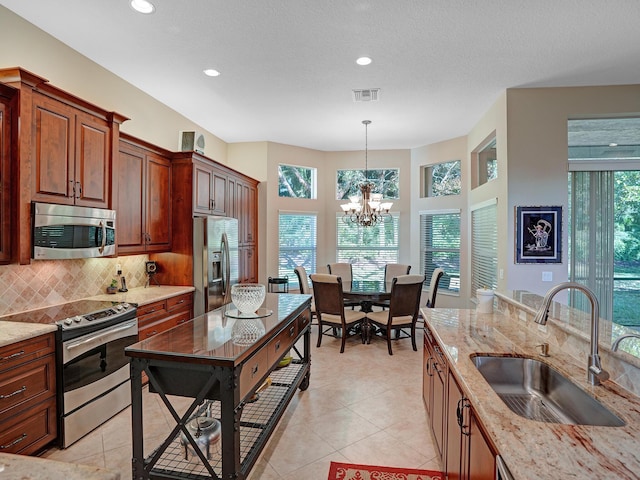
(538, 234)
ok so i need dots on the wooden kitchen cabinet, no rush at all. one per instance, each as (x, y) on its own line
(72, 155)
(27, 395)
(196, 181)
(209, 189)
(433, 389)
(143, 199)
(7, 127)
(162, 315)
(469, 453)
(62, 153)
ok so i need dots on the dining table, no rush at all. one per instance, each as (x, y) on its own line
(367, 292)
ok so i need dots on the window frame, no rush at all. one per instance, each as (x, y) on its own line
(313, 187)
(428, 182)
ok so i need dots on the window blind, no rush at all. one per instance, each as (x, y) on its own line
(484, 250)
(440, 248)
(297, 235)
(368, 249)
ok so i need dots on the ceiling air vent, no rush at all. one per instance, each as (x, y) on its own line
(366, 95)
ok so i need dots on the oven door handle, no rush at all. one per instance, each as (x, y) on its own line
(119, 328)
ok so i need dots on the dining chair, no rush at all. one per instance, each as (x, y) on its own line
(330, 309)
(392, 270)
(303, 280)
(345, 272)
(433, 287)
(404, 307)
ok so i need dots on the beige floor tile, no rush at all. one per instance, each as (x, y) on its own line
(382, 448)
(318, 470)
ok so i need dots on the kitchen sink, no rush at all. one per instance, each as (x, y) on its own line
(536, 391)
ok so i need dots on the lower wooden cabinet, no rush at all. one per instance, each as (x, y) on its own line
(162, 315)
(27, 395)
(465, 450)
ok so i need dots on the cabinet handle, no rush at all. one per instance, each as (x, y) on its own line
(13, 355)
(462, 404)
(151, 334)
(427, 366)
(212, 204)
(13, 394)
(15, 442)
(79, 191)
(292, 330)
(254, 370)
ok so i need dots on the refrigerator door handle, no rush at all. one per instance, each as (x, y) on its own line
(226, 268)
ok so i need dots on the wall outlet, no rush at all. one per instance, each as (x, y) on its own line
(118, 269)
(547, 276)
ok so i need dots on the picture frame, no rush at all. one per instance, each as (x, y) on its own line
(538, 234)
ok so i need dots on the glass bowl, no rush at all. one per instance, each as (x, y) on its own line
(247, 297)
(247, 331)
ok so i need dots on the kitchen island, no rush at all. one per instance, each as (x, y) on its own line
(209, 360)
(533, 449)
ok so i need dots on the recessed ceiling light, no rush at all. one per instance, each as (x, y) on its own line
(142, 6)
(363, 61)
(210, 72)
(613, 144)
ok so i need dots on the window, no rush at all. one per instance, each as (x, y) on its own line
(486, 162)
(440, 247)
(297, 238)
(296, 182)
(441, 179)
(368, 249)
(385, 181)
(484, 250)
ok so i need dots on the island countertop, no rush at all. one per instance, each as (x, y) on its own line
(531, 449)
(210, 337)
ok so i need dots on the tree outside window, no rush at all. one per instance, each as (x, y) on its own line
(385, 181)
(296, 182)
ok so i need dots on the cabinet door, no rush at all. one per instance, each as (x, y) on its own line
(251, 214)
(427, 378)
(130, 203)
(5, 196)
(438, 411)
(158, 207)
(455, 455)
(219, 193)
(202, 184)
(92, 165)
(482, 459)
(53, 151)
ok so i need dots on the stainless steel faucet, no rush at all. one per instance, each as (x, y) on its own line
(595, 373)
(616, 344)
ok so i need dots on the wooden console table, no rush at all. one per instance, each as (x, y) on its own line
(199, 360)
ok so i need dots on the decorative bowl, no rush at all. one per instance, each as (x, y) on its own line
(247, 297)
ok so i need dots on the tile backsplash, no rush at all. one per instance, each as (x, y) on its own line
(51, 282)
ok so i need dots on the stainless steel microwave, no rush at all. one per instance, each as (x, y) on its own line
(66, 231)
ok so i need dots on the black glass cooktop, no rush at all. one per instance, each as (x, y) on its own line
(56, 313)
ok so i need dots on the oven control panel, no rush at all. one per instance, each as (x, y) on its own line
(97, 317)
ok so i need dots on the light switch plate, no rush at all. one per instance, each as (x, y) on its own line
(547, 276)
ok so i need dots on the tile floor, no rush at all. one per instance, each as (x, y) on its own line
(362, 406)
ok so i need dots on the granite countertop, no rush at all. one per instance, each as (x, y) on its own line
(144, 296)
(20, 467)
(531, 449)
(12, 332)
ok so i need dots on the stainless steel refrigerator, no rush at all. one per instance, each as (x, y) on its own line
(215, 262)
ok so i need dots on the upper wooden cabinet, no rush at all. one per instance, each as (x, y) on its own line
(209, 189)
(71, 155)
(201, 187)
(7, 126)
(62, 152)
(142, 182)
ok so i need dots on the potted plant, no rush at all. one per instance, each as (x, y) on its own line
(113, 288)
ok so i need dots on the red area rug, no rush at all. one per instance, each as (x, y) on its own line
(349, 471)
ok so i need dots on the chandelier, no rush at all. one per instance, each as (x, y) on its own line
(366, 209)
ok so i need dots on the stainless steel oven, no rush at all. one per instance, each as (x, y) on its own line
(94, 374)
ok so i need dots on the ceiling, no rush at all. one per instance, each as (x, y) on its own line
(288, 66)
